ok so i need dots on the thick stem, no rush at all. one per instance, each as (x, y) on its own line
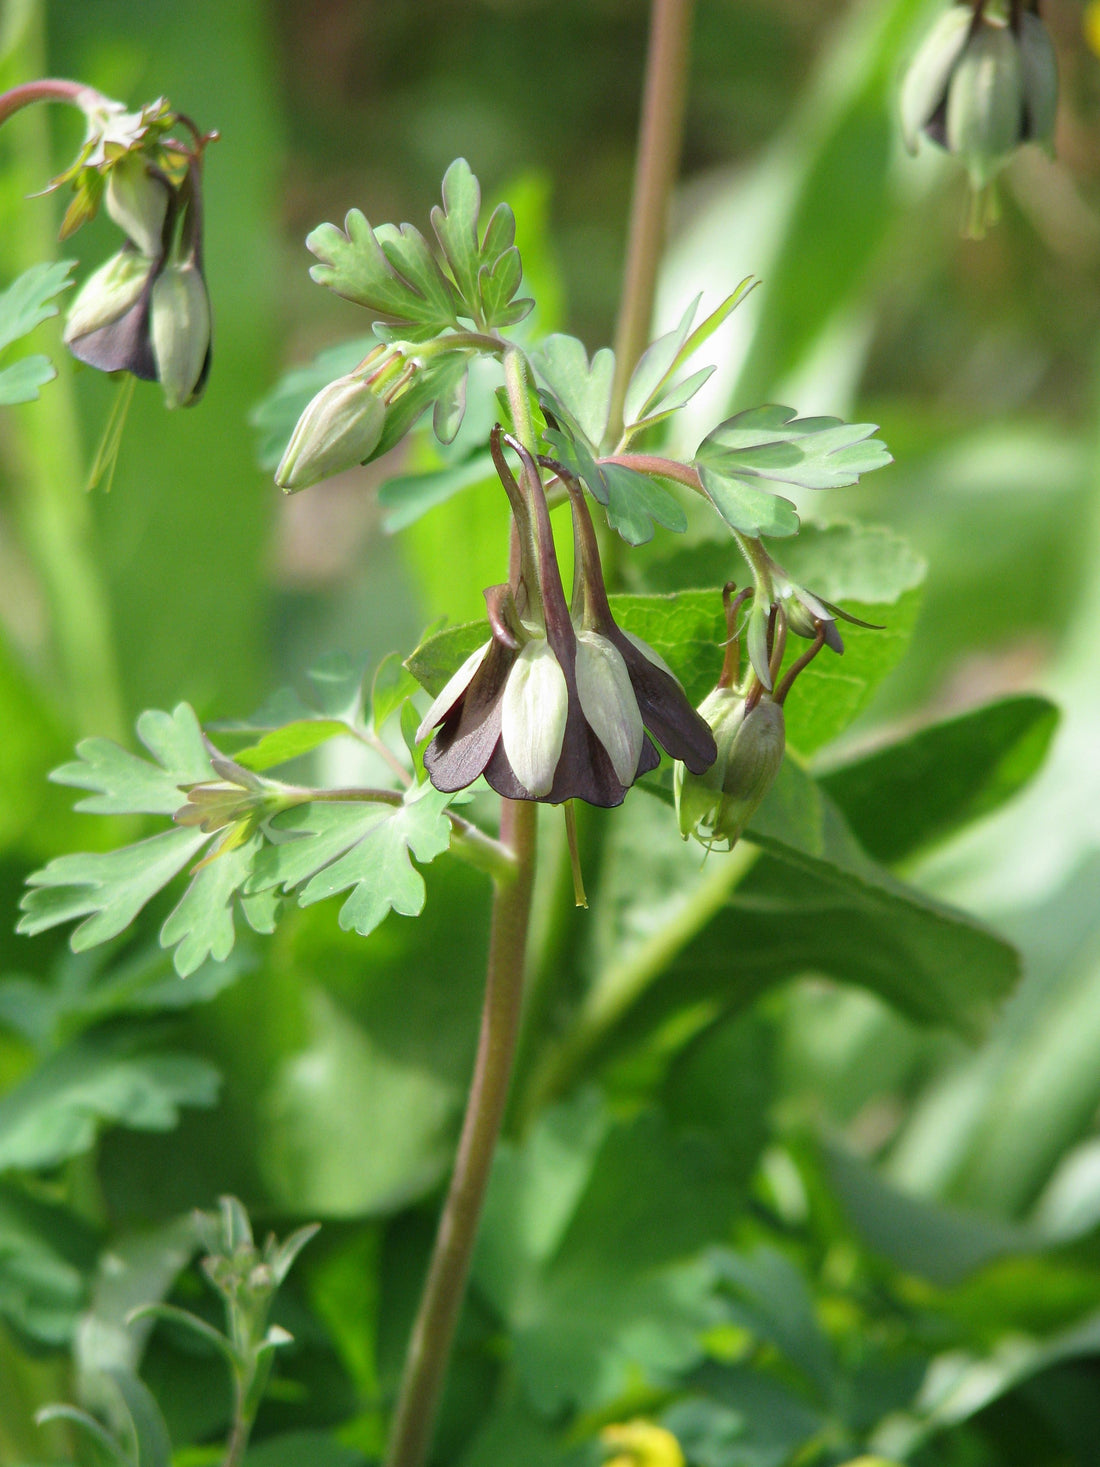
(659, 141)
(49, 89)
(433, 1332)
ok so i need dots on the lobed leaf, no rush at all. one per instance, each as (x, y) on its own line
(390, 271)
(772, 445)
(20, 382)
(456, 226)
(124, 784)
(582, 388)
(100, 1078)
(652, 392)
(32, 299)
(365, 847)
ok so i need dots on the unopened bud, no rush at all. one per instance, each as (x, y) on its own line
(180, 329)
(716, 806)
(138, 203)
(339, 429)
(107, 294)
(985, 102)
(1040, 81)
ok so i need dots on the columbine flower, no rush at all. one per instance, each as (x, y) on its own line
(147, 311)
(555, 707)
(980, 85)
(749, 727)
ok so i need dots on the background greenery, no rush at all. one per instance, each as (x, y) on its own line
(786, 1217)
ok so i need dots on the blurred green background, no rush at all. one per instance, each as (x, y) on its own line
(193, 578)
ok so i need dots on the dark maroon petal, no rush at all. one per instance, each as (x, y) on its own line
(665, 710)
(471, 731)
(123, 345)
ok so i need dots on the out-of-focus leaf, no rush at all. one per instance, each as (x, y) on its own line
(154, 1448)
(355, 1126)
(514, 1433)
(593, 1280)
(392, 684)
(771, 1299)
(290, 742)
(102, 1078)
(365, 846)
(917, 1234)
(411, 495)
(296, 1448)
(738, 1417)
(46, 1255)
(926, 786)
(20, 382)
(32, 299)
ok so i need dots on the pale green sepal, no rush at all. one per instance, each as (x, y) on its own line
(107, 294)
(925, 85)
(451, 693)
(339, 428)
(608, 702)
(180, 330)
(985, 103)
(138, 203)
(533, 715)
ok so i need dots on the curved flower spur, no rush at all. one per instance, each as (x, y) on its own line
(555, 706)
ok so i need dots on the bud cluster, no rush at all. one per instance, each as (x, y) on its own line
(981, 84)
(146, 310)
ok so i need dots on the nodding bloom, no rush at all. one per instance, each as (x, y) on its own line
(146, 310)
(750, 730)
(556, 704)
(980, 85)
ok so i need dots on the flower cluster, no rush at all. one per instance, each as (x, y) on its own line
(981, 84)
(146, 310)
(557, 703)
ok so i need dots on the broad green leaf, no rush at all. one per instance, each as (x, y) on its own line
(99, 1079)
(442, 653)
(409, 496)
(582, 388)
(924, 787)
(20, 382)
(764, 445)
(772, 1300)
(367, 847)
(109, 888)
(124, 784)
(738, 1416)
(594, 1282)
(274, 416)
(513, 1433)
(456, 226)
(32, 299)
(920, 1235)
(833, 690)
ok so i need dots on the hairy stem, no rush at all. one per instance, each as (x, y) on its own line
(659, 141)
(433, 1333)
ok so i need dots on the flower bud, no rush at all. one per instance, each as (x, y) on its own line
(138, 203)
(180, 330)
(716, 806)
(339, 429)
(924, 89)
(985, 102)
(107, 294)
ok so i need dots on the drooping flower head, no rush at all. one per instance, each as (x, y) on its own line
(556, 706)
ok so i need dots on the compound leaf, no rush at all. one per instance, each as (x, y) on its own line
(124, 784)
(31, 299)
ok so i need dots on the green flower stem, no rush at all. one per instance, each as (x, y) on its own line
(55, 516)
(621, 986)
(433, 1333)
(659, 140)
